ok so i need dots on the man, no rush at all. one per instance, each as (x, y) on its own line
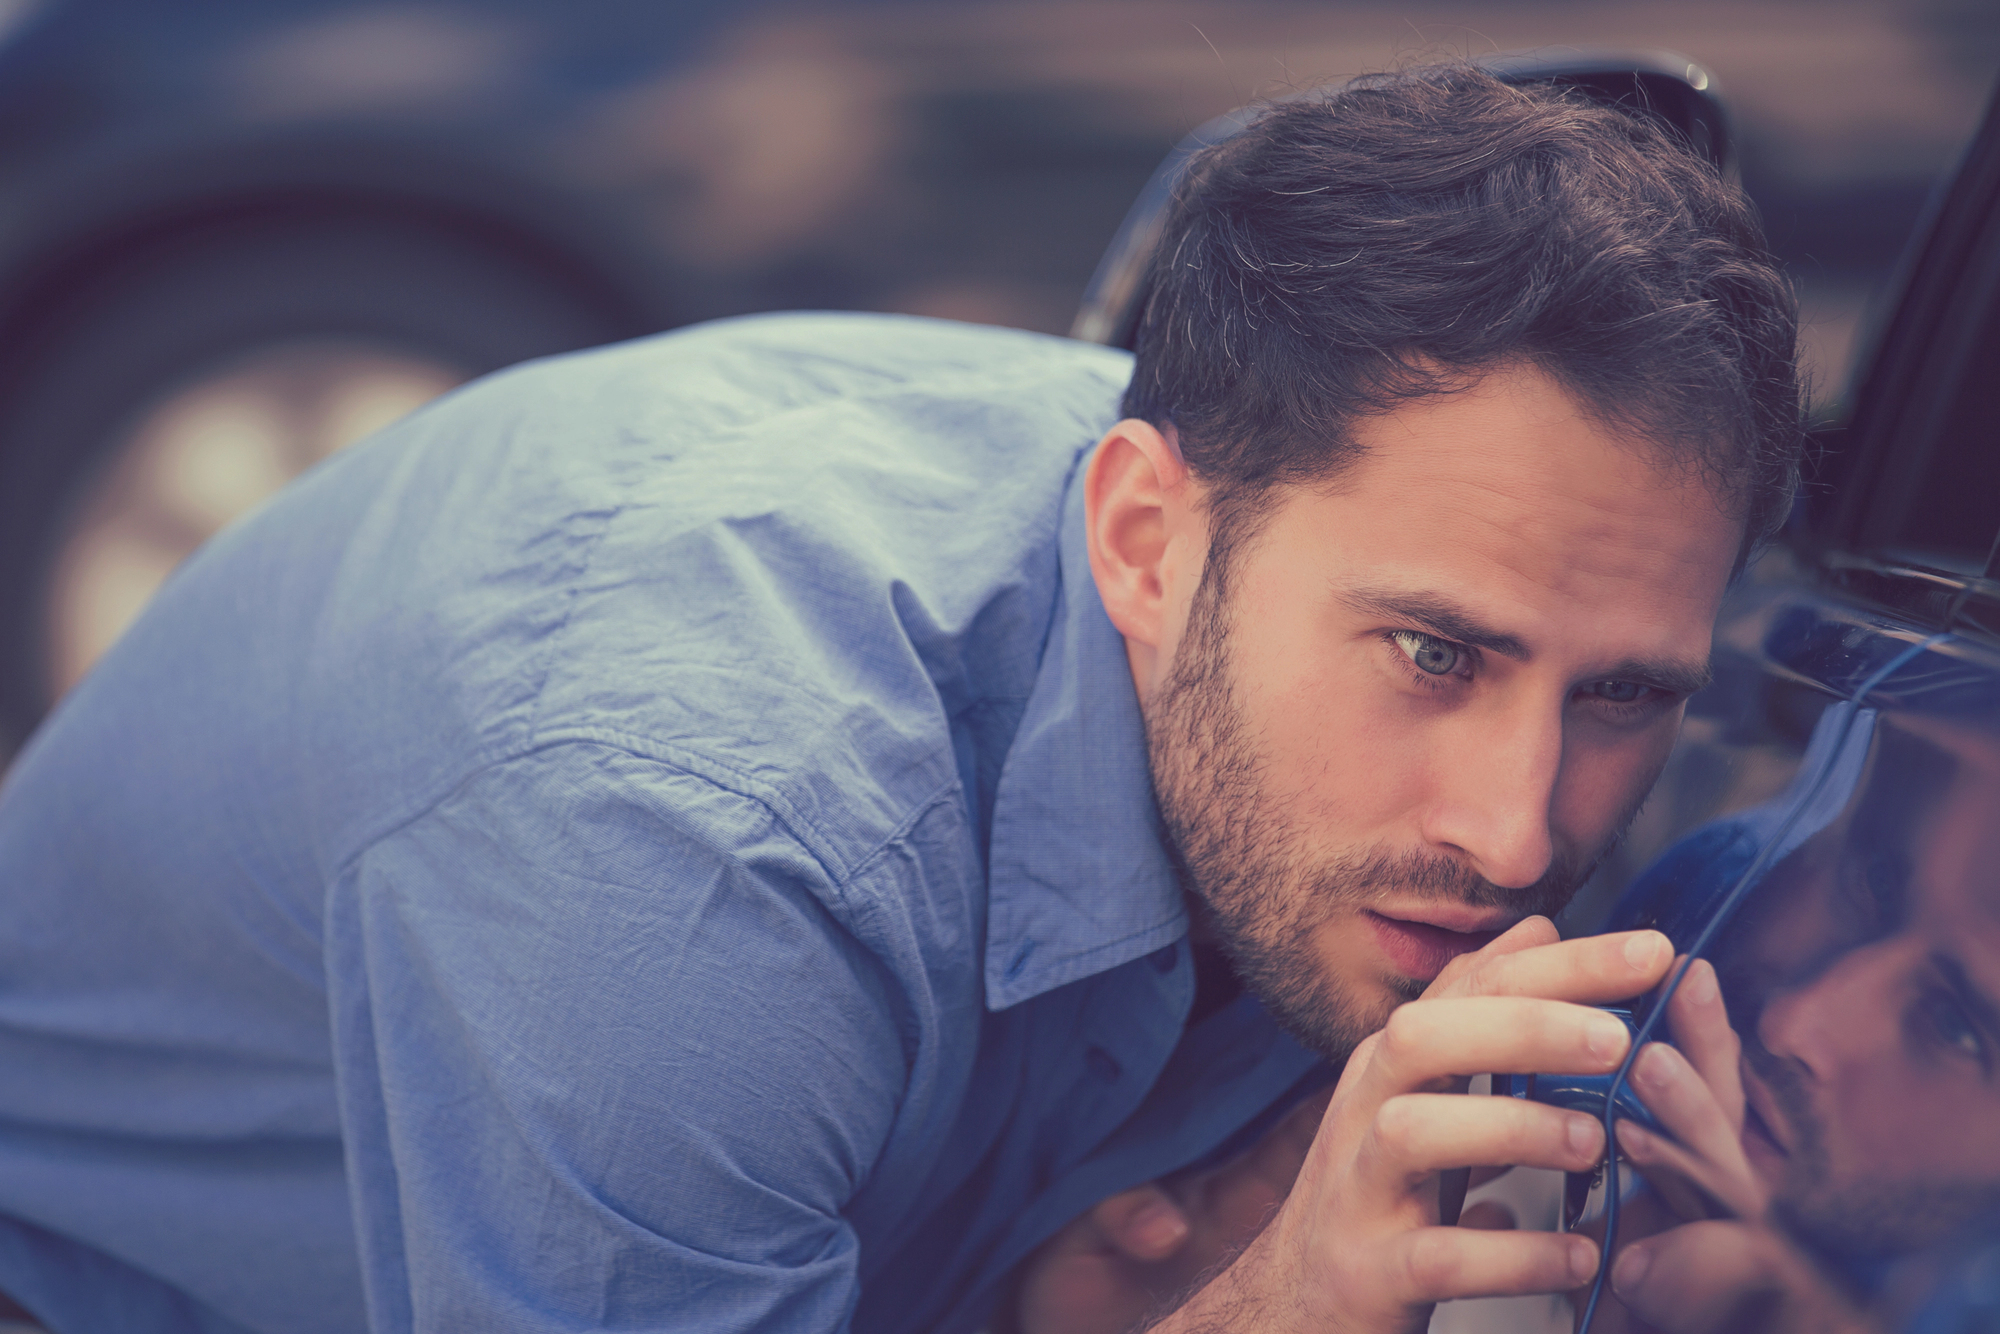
(667, 838)
(1857, 1123)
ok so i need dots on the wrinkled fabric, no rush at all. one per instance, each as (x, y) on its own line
(659, 839)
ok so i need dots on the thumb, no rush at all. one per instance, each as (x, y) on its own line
(1144, 1223)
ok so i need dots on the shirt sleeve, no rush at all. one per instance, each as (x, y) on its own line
(607, 1060)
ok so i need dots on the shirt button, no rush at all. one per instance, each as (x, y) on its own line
(1163, 958)
(1102, 1064)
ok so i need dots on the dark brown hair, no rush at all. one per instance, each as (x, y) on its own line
(1394, 239)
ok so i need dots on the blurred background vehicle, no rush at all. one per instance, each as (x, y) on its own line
(234, 237)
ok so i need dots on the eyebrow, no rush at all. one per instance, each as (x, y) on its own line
(1436, 612)
(1448, 619)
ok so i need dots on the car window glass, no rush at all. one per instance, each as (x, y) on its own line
(1953, 510)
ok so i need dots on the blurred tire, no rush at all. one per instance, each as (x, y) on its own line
(168, 383)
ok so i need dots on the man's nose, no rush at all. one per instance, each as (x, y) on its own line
(1495, 785)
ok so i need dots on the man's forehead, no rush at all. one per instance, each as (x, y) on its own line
(1514, 463)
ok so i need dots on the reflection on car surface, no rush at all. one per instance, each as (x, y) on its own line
(1863, 970)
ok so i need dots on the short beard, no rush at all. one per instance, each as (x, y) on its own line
(1238, 856)
(1855, 1218)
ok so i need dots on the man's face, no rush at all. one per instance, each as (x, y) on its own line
(1874, 1080)
(1430, 695)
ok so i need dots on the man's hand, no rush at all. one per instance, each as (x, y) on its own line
(1136, 1251)
(1695, 1088)
(1356, 1244)
(1724, 1277)
(1708, 1262)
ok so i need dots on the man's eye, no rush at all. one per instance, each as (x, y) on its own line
(1431, 654)
(1617, 692)
(1951, 1027)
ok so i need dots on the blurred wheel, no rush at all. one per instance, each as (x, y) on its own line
(201, 457)
(176, 382)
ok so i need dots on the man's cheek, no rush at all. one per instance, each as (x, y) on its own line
(1351, 773)
(1606, 778)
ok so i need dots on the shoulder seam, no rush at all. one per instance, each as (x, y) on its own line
(694, 766)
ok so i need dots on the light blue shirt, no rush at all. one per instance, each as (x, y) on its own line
(660, 839)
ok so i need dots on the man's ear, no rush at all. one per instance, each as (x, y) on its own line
(1139, 519)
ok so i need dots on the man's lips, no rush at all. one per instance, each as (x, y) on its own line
(1420, 943)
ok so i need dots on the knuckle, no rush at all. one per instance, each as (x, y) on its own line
(1396, 1127)
(1485, 977)
(1481, 974)
(1407, 1029)
(1430, 1263)
(1456, 978)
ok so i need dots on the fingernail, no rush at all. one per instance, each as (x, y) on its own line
(1582, 1134)
(1642, 950)
(1700, 984)
(1629, 1270)
(1606, 1037)
(1582, 1260)
(1158, 1230)
(1654, 1070)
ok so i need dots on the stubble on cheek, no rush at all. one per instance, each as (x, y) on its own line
(1293, 930)
(1294, 926)
(1235, 855)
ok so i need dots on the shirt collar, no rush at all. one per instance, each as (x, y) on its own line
(1078, 879)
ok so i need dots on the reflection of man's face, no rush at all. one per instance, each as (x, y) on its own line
(1874, 1083)
(1432, 694)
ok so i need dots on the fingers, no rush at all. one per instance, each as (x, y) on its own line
(1709, 1277)
(1144, 1223)
(1697, 1094)
(1439, 1264)
(1527, 933)
(1710, 1151)
(1420, 1133)
(1700, 1025)
(1667, 1169)
(1703, 1276)
(1429, 1043)
(1722, 1189)
(1685, 1104)
(1591, 970)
